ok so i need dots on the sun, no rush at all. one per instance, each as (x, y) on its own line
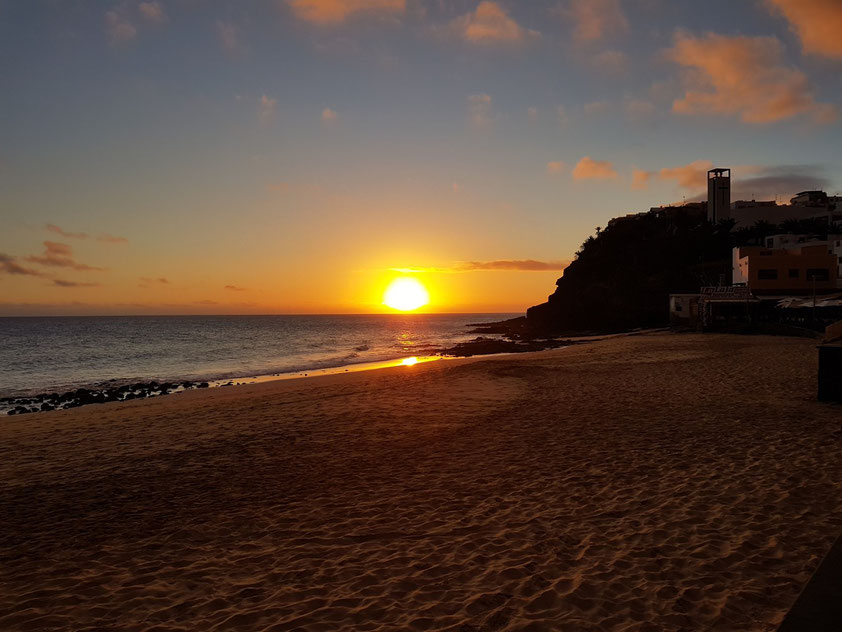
(406, 294)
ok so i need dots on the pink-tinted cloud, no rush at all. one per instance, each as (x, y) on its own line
(60, 231)
(490, 24)
(818, 24)
(743, 76)
(111, 239)
(610, 61)
(595, 19)
(118, 28)
(267, 109)
(9, 265)
(556, 167)
(590, 169)
(152, 11)
(640, 179)
(229, 37)
(329, 115)
(57, 255)
(479, 110)
(327, 12)
(691, 176)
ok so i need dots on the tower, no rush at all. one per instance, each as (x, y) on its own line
(719, 194)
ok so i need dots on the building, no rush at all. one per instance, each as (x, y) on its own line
(719, 195)
(833, 243)
(797, 270)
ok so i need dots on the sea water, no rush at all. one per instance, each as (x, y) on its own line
(58, 354)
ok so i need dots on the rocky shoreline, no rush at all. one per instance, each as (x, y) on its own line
(84, 396)
(516, 338)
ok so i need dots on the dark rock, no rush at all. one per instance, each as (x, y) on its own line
(203, 385)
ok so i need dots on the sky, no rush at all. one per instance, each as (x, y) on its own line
(295, 156)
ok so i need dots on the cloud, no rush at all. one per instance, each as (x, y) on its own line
(206, 302)
(267, 109)
(111, 239)
(328, 12)
(55, 229)
(561, 115)
(329, 115)
(118, 28)
(63, 283)
(597, 108)
(479, 110)
(9, 265)
(523, 265)
(640, 179)
(555, 167)
(743, 76)
(490, 24)
(595, 19)
(532, 113)
(58, 255)
(610, 61)
(639, 109)
(589, 169)
(152, 11)
(527, 265)
(691, 176)
(235, 288)
(229, 37)
(783, 180)
(818, 24)
(145, 282)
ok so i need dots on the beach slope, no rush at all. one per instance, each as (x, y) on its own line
(668, 482)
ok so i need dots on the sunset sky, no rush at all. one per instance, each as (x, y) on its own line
(194, 156)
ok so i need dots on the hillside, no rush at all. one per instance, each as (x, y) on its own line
(621, 278)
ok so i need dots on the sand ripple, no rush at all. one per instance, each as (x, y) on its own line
(643, 483)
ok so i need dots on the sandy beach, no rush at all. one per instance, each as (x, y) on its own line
(656, 482)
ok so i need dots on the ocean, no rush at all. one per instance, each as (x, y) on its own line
(59, 354)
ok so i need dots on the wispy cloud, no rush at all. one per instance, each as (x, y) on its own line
(229, 37)
(146, 282)
(589, 169)
(329, 115)
(329, 12)
(9, 265)
(743, 76)
(640, 179)
(57, 255)
(489, 23)
(235, 288)
(690, 176)
(523, 265)
(64, 233)
(480, 113)
(152, 11)
(267, 109)
(118, 28)
(595, 19)
(64, 283)
(610, 61)
(556, 167)
(111, 239)
(818, 24)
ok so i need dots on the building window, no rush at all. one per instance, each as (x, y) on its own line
(678, 307)
(768, 275)
(794, 273)
(840, 259)
(770, 242)
(818, 274)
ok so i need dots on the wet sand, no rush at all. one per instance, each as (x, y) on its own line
(659, 482)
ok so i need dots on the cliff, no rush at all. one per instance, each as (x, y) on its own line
(621, 278)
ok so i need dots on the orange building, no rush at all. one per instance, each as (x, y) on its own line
(786, 270)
